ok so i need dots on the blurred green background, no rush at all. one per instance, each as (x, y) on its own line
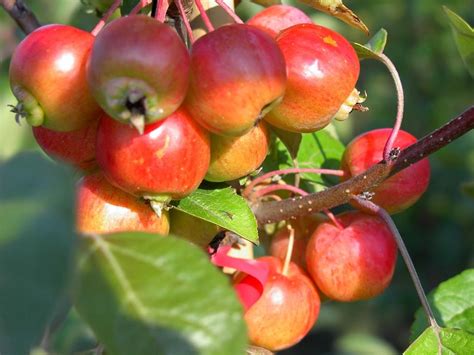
(438, 230)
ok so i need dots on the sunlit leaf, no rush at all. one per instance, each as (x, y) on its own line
(453, 342)
(374, 47)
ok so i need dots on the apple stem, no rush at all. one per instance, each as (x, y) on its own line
(248, 190)
(161, 10)
(289, 250)
(400, 106)
(184, 17)
(278, 187)
(204, 16)
(297, 175)
(229, 11)
(100, 25)
(406, 258)
(333, 219)
(140, 6)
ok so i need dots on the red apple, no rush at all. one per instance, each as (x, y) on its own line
(48, 77)
(287, 309)
(237, 72)
(168, 161)
(353, 263)
(276, 18)
(104, 209)
(139, 67)
(399, 191)
(74, 147)
(322, 71)
(235, 157)
(303, 227)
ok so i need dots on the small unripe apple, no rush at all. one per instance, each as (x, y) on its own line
(353, 263)
(322, 69)
(303, 228)
(276, 18)
(104, 209)
(237, 74)
(48, 77)
(287, 309)
(235, 157)
(168, 161)
(139, 69)
(196, 230)
(73, 147)
(401, 190)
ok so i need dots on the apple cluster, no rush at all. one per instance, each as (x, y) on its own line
(148, 120)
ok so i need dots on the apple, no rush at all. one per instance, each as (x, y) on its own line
(104, 209)
(401, 190)
(237, 74)
(286, 310)
(236, 157)
(353, 263)
(276, 18)
(322, 71)
(48, 77)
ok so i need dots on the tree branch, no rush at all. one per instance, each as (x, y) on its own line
(274, 211)
(22, 15)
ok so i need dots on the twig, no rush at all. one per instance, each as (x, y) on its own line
(22, 15)
(274, 211)
(100, 25)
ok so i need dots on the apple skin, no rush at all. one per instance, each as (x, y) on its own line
(287, 309)
(104, 209)
(355, 263)
(235, 157)
(322, 71)
(137, 57)
(237, 72)
(48, 73)
(276, 18)
(401, 190)
(169, 160)
(303, 227)
(188, 227)
(74, 147)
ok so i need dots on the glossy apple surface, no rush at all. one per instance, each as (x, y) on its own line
(287, 309)
(169, 160)
(237, 71)
(398, 192)
(48, 75)
(138, 66)
(322, 71)
(236, 157)
(353, 263)
(74, 147)
(104, 209)
(276, 18)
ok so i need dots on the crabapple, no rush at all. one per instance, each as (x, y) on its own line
(322, 71)
(104, 209)
(353, 263)
(399, 191)
(48, 77)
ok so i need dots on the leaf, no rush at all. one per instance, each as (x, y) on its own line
(468, 188)
(452, 304)
(147, 294)
(222, 206)
(454, 341)
(464, 37)
(337, 9)
(373, 48)
(291, 140)
(36, 247)
(127, 6)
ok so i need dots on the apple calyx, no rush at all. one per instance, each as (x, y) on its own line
(158, 203)
(353, 102)
(27, 107)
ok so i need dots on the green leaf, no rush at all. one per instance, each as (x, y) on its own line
(453, 341)
(464, 37)
(468, 188)
(291, 140)
(36, 247)
(127, 6)
(147, 294)
(222, 206)
(373, 48)
(452, 304)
